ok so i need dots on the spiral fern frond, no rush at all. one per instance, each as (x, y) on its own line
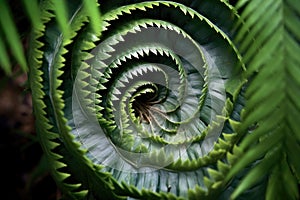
(141, 109)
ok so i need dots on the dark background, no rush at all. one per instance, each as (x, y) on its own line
(23, 174)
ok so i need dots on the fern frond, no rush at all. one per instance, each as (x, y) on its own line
(124, 110)
(269, 43)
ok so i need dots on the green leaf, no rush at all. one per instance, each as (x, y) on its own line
(33, 12)
(4, 58)
(61, 14)
(282, 183)
(93, 11)
(12, 36)
(269, 42)
(258, 172)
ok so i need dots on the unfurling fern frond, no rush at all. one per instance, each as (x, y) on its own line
(270, 44)
(140, 105)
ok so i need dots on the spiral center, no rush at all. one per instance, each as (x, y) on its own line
(143, 103)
